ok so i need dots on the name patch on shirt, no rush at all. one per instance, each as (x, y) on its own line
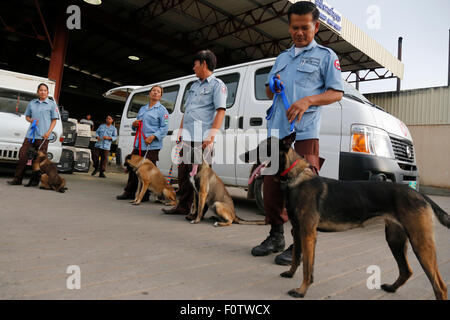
(310, 60)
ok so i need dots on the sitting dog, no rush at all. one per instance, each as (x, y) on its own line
(211, 192)
(149, 178)
(319, 204)
(50, 180)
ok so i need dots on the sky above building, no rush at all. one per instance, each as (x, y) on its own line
(424, 26)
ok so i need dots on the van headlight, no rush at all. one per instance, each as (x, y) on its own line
(52, 137)
(50, 156)
(372, 141)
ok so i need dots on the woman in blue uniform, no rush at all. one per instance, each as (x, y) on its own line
(106, 134)
(42, 113)
(153, 119)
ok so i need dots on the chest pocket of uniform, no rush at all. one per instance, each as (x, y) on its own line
(307, 75)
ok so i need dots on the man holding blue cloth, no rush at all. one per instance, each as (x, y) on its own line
(42, 114)
(311, 78)
(105, 134)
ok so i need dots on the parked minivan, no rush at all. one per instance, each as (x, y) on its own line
(16, 91)
(359, 140)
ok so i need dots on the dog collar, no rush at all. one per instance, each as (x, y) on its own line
(285, 172)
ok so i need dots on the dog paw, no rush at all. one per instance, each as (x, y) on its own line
(190, 217)
(135, 203)
(194, 222)
(295, 294)
(216, 224)
(287, 274)
(388, 288)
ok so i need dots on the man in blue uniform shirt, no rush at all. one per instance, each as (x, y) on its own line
(311, 75)
(42, 114)
(105, 134)
(206, 103)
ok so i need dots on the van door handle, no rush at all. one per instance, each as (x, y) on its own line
(126, 126)
(241, 123)
(256, 122)
(133, 133)
(227, 122)
(169, 133)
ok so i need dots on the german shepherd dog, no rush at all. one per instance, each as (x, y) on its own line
(210, 191)
(149, 178)
(320, 204)
(50, 179)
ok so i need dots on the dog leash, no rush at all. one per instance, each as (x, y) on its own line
(139, 134)
(33, 130)
(276, 85)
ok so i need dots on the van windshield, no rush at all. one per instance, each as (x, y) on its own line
(351, 92)
(14, 101)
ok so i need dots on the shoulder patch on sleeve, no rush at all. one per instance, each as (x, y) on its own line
(337, 64)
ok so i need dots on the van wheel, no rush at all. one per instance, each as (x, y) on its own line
(258, 192)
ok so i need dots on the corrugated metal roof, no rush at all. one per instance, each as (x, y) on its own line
(428, 106)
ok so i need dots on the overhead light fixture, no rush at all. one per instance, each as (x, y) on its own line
(73, 86)
(94, 2)
(134, 58)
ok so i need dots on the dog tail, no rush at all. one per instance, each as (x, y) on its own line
(442, 216)
(249, 222)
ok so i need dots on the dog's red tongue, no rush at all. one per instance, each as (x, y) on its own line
(257, 172)
(194, 170)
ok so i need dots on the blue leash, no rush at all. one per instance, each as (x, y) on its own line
(274, 85)
(33, 130)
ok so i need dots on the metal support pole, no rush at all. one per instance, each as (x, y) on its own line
(400, 45)
(58, 56)
(448, 76)
(357, 80)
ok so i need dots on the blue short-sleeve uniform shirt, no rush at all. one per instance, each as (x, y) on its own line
(312, 71)
(108, 131)
(44, 111)
(155, 121)
(202, 101)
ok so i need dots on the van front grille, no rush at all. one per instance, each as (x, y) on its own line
(403, 150)
(9, 154)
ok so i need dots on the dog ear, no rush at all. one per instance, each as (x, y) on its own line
(286, 142)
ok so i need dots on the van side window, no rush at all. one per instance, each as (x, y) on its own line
(230, 80)
(169, 97)
(260, 83)
(141, 99)
(14, 101)
(137, 101)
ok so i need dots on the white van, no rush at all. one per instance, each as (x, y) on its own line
(16, 91)
(359, 140)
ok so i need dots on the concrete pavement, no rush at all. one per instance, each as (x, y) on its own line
(136, 252)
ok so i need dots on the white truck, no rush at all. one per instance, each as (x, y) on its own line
(16, 91)
(359, 140)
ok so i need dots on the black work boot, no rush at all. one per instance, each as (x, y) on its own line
(34, 179)
(94, 172)
(273, 243)
(125, 196)
(102, 174)
(285, 258)
(14, 182)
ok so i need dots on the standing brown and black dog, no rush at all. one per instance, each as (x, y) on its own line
(50, 179)
(316, 204)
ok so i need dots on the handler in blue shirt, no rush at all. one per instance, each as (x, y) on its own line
(206, 103)
(311, 75)
(106, 134)
(44, 113)
(154, 120)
